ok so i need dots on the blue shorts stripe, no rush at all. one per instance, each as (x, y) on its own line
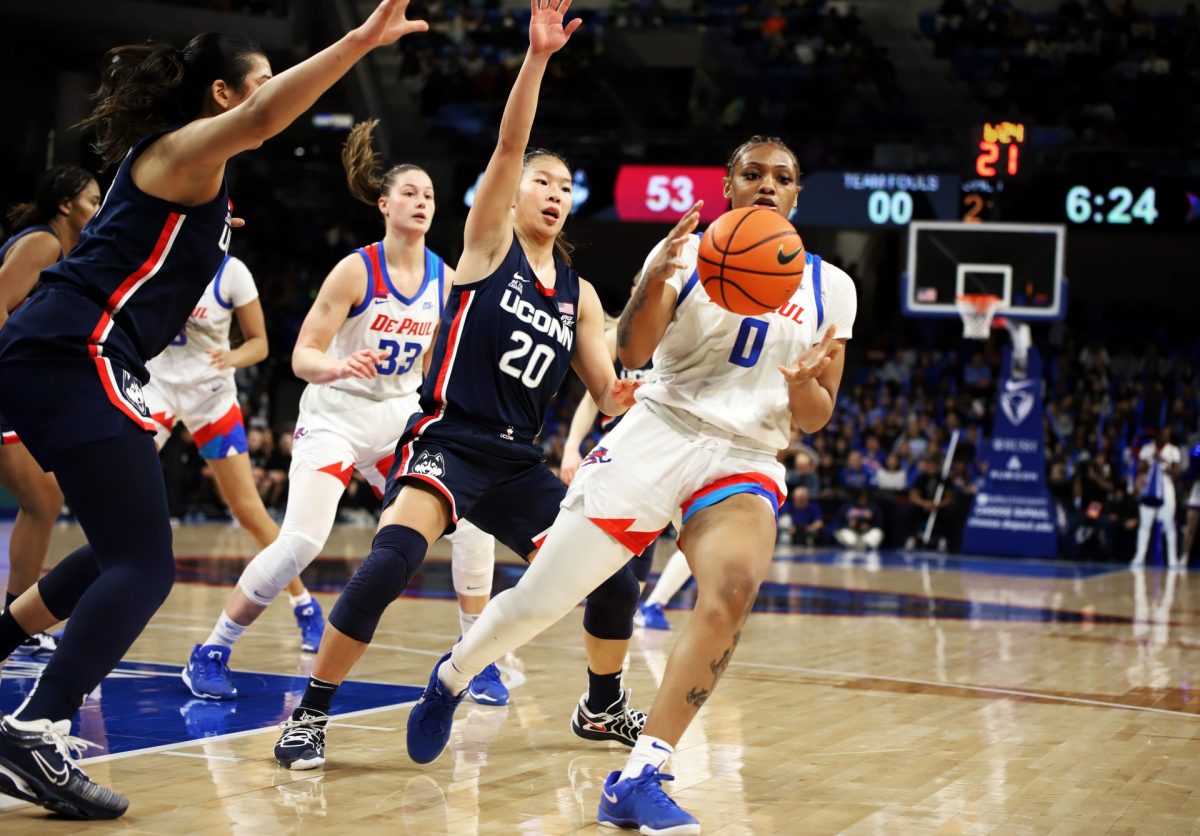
(716, 496)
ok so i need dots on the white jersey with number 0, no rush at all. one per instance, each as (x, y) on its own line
(184, 361)
(398, 326)
(723, 368)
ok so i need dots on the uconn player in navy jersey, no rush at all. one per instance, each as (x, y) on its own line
(699, 449)
(44, 231)
(518, 317)
(172, 118)
(362, 350)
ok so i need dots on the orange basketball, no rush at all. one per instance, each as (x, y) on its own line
(751, 260)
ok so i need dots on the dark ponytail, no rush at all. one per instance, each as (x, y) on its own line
(362, 168)
(55, 187)
(151, 86)
(562, 245)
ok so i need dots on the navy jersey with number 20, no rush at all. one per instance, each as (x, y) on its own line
(504, 346)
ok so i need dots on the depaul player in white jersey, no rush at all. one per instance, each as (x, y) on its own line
(363, 350)
(191, 382)
(698, 449)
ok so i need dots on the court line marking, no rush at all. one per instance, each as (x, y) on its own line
(169, 748)
(230, 758)
(1013, 692)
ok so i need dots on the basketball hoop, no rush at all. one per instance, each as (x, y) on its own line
(977, 311)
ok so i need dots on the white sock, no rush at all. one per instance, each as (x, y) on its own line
(647, 751)
(466, 620)
(301, 600)
(452, 679)
(226, 632)
(674, 575)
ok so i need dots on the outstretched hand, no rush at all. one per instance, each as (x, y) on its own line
(388, 24)
(812, 363)
(668, 260)
(547, 34)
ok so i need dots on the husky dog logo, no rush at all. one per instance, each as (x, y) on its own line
(599, 455)
(131, 389)
(508, 433)
(429, 464)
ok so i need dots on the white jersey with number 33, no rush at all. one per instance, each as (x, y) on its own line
(723, 368)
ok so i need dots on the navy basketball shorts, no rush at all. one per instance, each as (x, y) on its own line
(56, 397)
(503, 487)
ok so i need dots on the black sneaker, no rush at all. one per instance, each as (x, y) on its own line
(302, 744)
(618, 722)
(37, 764)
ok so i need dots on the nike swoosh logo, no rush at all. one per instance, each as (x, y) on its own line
(519, 277)
(1016, 385)
(611, 798)
(58, 777)
(788, 258)
(660, 748)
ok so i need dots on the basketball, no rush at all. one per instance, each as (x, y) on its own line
(751, 260)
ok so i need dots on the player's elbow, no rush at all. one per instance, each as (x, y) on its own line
(633, 356)
(808, 423)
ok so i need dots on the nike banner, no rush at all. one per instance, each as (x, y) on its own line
(1013, 513)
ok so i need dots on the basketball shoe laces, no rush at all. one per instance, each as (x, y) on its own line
(626, 721)
(651, 783)
(307, 731)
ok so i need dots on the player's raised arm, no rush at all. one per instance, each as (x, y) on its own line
(489, 223)
(648, 313)
(187, 166)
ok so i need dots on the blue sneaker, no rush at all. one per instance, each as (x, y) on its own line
(653, 617)
(641, 804)
(431, 718)
(207, 673)
(487, 689)
(312, 625)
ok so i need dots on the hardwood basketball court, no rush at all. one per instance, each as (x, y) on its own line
(889, 694)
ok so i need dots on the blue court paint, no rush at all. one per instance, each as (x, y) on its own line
(939, 562)
(141, 705)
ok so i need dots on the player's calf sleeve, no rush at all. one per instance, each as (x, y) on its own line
(277, 565)
(396, 553)
(554, 585)
(63, 586)
(610, 606)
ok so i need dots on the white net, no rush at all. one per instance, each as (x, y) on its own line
(977, 312)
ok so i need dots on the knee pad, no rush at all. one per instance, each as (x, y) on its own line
(472, 559)
(641, 563)
(396, 553)
(608, 613)
(277, 565)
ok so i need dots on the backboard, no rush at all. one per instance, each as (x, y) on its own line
(1020, 263)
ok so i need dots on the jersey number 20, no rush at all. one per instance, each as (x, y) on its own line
(539, 360)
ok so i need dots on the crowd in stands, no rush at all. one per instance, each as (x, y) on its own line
(762, 64)
(1106, 70)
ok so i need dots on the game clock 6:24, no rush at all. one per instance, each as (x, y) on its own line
(1113, 205)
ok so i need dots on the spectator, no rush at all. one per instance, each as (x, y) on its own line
(801, 520)
(860, 523)
(923, 501)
